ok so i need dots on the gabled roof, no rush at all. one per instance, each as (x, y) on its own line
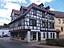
(36, 6)
(33, 5)
(23, 7)
(15, 11)
(58, 14)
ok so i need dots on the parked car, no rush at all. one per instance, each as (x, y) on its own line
(5, 35)
(1, 36)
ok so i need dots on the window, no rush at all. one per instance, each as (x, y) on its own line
(16, 24)
(46, 24)
(51, 35)
(3, 33)
(43, 24)
(35, 12)
(61, 28)
(32, 22)
(43, 14)
(51, 17)
(16, 15)
(19, 23)
(43, 35)
(63, 21)
(47, 35)
(31, 36)
(30, 12)
(22, 22)
(51, 25)
(34, 35)
(59, 21)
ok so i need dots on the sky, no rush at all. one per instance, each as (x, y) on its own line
(6, 7)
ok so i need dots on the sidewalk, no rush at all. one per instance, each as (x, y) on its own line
(47, 46)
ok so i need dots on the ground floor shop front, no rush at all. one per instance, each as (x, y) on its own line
(33, 35)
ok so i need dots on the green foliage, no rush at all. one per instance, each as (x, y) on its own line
(55, 42)
(4, 26)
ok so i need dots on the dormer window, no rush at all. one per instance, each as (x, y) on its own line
(47, 8)
(41, 5)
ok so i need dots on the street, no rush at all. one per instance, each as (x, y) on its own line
(5, 43)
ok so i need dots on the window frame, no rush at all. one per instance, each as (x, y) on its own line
(32, 22)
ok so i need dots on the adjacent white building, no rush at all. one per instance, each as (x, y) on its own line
(4, 31)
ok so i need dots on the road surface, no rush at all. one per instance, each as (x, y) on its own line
(5, 43)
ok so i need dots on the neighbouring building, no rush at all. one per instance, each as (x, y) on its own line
(59, 22)
(32, 23)
(4, 31)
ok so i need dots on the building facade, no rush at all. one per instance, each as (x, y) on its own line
(32, 23)
(59, 22)
(4, 31)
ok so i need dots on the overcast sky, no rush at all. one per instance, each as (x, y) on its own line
(6, 7)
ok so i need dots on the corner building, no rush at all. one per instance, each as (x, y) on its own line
(32, 23)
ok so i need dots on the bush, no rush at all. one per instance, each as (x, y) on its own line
(55, 42)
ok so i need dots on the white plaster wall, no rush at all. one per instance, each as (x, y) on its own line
(46, 35)
(5, 32)
(42, 36)
(55, 35)
(28, 36)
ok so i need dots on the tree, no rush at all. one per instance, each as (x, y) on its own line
(4, 26)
